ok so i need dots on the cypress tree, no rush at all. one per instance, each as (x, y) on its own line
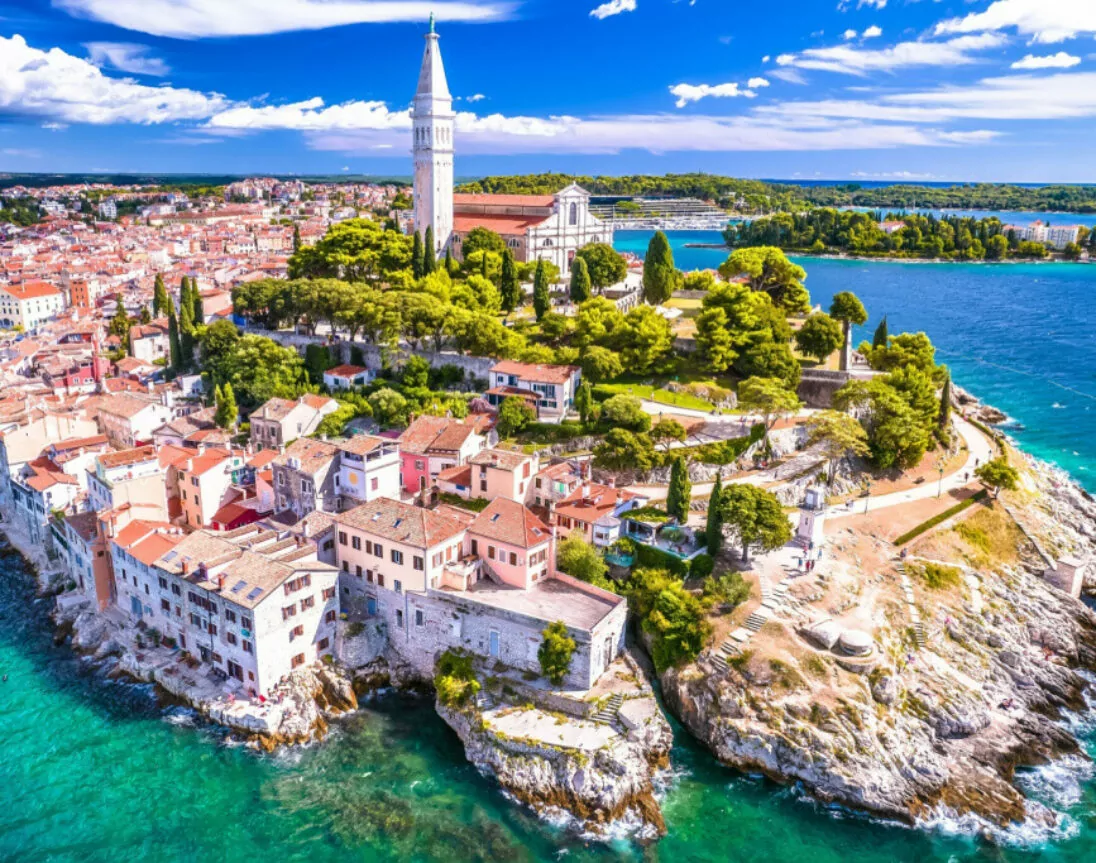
(296, 238)
(714, 528)
(186, 334)
(879, 340)
(159, 297)
(584, 402)
(509, 286)
(945, 402)
(659, 275)
(199, 307)
(416, 256)
(429, 253)
(580, 281)
(542, 302)
(679, 495)
(227, 413)
(173, 337)
(450, 264)
(483, 265)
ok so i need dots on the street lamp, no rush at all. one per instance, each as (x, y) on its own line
(940, 487)
(867, 500)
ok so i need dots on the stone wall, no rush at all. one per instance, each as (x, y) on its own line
(817, 386)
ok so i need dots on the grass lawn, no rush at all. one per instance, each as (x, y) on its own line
(662, 396)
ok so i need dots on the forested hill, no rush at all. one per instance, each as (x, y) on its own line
(760, 196)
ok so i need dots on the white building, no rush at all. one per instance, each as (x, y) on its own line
(1059, 236)
(29, 305)
(108, 209)
(432, 131)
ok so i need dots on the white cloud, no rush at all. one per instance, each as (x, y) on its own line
(754, 83)
(1061, 60)
(849, 34)
(765, 59)
(476, 97)
(1062, 96)
(790, 76)
(188, 19)
(613, 7)
(843, 5)
(859, 61)
(892, 175)
(311, 114)
(1044, 21)
(126, 57)
(61, 88)
(687, 93)
(873, 31)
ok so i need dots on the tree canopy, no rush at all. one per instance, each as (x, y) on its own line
(756, 516)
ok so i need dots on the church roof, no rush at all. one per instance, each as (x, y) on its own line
(432, 82)
(467, 199)
(504, 226)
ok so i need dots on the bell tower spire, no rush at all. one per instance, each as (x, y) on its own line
(432, 141)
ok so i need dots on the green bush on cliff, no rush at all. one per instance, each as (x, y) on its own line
(555, 652)
(455, 679)
(672, 617)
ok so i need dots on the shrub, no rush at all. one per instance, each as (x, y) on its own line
(941, 517)
(672, 616)
(727, 590)
(455, 679)
(937, 576)
(555, 652)
(701, 566)
(656, 558)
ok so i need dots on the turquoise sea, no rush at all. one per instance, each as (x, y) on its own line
(95, 770)
(1019, 336)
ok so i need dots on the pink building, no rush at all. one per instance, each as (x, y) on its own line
(432, 444)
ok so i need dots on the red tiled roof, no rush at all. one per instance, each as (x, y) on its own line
(508, 521)
(465, 199)
(402, 522)
(537, 373)
(345, 371)
(504, 226)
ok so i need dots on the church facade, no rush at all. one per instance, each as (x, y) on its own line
(549, 227)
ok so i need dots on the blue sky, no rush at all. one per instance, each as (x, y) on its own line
(835, 89)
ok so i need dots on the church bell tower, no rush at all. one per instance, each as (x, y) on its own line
(432, 129)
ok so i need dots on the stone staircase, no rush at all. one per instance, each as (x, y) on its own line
(483, 701)
(916, 624)
(608, 713)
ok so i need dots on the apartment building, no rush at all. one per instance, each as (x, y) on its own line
(550, 389)
(489, 474)
(29, 305)
(279, 422)
(129, 420)
(253, 604)
(593, 511)
(205, 481)
(430, 445)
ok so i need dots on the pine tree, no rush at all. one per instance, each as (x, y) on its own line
(416, 256)
(429, 253)
(227, 413)
(184, 296)
(679, 495)
(714, 527)
(542, 302)
(580, 281)
(173, 337)
(483, 265)
(159, 297)
(945, 403)
(879, 340)
(509, 286)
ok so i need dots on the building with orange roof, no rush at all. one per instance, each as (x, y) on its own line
(551, 389)
(205, 481)
(279, 422)
(430, 445)
(30, 304)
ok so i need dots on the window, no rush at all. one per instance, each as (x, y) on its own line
(369, 546)
(289, 611)
(163, 583)
(572, 219)
(212, 629)
(380, 579)
(346, 566)
(358, 571)
(419, 620)
(230, 615)
(356, 543)
(297, 661)
(296, 632)
(245, 622)
(323, 644)
(342, 537)
(374, 484)
(513, 559)
(418, 563)
(328, 593)
(308, 602)
(399, 617)
(230, 637)
(165, 606)
(397, 586)
(475, 547)
(397, 556)
(419, 464)
(491, 552)
(329, 617)
(378, 550)
(246, 645)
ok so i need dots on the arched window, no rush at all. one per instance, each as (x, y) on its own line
(513, 242)
(547, 242)
(574, 214)
(596, 239)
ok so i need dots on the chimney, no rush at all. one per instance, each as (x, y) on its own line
(186, 566)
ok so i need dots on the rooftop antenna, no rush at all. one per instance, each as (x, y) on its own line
(431, 22)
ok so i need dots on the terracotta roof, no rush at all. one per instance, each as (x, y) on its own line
(44, 473)
(127, 456)
(31, 290)
(536, 373)
(504, 226)
(508, 521)
(503, 459)
(85, 524)
(434, 434)
(360, 444)
(599, 500)
(460, 474)
(313, 454)
(205, 461)
(345, 371)
(402, 522)
(466, 199)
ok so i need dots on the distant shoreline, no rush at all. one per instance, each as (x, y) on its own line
(888, 259)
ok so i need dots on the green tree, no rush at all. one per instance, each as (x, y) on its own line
(515, 413)
(296, 237)
(227, 413)
(356, 250)
(415, 374)
(997, 248)
(584, 402)
(757, 517)
(429, 252)
(509, 287)
(713, 529)
(555, 652)
(880, 339)
(416, 256)
(606, 266)
(819, 336)
(847, 308)
(838, 436)
(714, 342)
(580, 281)
(768, 359)
(260, 369)
(580, 559)
(145, 315)
(451, 266)
(186, 332)
(768, 397)
(768, 269)
(666, 431)
(644, 338)
(159, 297)
(660, 278)
(542, 301)
(944, 414)
(670, 615)
(389, 407)
(121, 322)
(626, 412)
(998, 474)
(175, 346)
(482, 239)
(897, 434)
(597, 322)
(623, 450)
(679, 494)
(1072, 251)
(317, 360)
(600, 364)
